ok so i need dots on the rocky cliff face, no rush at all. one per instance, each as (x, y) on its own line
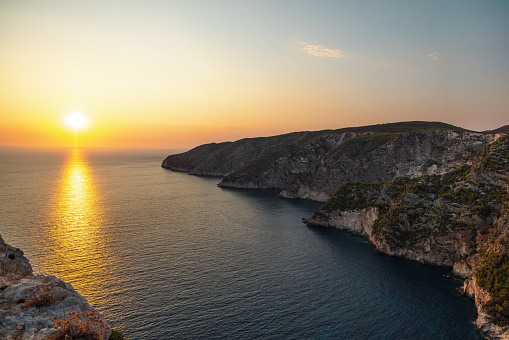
(429, 192)
(359, 222)
(458, 219)
(378, 158)
(432, 219)
(42, 307)
(484, 321)
(13, 261)
(257, 162)
(311, 165)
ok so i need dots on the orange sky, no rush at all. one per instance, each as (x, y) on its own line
(179, 74)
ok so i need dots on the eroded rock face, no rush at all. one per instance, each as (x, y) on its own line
(37, 307)
(485, 325)
(311, 165)
(484, 322)
(410, 154)
(358, 222)
(13, 261)
(448, 220)
(464, 268)
(439, 251)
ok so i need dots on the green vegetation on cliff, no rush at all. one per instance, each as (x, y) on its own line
(469, 206)
(495, 157)
(353, 196)
(493, 275)
(412, 210)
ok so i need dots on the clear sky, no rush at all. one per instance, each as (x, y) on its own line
(175, 74)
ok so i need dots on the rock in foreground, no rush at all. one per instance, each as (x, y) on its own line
(42, 307)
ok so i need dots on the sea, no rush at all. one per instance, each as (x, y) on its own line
(166, 255)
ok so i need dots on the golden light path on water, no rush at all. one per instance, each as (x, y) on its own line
(75, 226)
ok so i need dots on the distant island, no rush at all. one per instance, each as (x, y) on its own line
(427, 191)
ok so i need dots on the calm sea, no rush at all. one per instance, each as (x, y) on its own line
(166, 255)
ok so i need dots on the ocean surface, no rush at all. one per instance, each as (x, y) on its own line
(165, 255)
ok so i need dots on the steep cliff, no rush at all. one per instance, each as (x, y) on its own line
(266, 162)
(458, 219)
(429, 192)
(311, 165)
(381, 157)
(42, 307)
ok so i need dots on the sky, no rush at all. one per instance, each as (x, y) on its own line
(177, 74)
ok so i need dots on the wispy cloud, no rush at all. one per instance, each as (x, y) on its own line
(434, 56)
(322, 51)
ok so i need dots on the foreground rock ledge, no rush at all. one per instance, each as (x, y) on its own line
(41, 307)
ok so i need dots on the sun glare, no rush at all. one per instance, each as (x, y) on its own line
(76, 121)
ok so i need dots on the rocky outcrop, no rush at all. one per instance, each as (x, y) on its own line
(379, 158)
(42, 307)
(459, 219)
(311, 165)
(438, 250)
(429, 192)
(258, 163)
(465, 268)
(13, 261)
(484, 321)
(358, 222)
(432, 219)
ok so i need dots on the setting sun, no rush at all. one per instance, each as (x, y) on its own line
(76, 121)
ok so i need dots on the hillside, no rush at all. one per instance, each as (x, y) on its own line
(426, 191)
(458, 219)
(502, 129)
(311, 165)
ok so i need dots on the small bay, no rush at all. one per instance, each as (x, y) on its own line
(166, 255)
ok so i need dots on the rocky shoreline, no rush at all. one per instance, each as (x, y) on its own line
(428, 192)
(459, 220)
(43, 307)
(311, 165)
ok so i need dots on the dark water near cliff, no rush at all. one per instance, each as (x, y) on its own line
(166, 255)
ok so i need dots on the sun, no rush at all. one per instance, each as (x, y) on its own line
(76, 121)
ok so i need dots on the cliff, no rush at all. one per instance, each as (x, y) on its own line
(311, 165)
(42, 307)
(429, 192)
(458, 219)
(382, 157)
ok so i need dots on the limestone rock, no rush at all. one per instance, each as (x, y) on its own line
(447, 220)
(465, 268)
(357, 222)
(13, 261)
(36, 307)
(311, 165)
(484, 322)
(378, 158)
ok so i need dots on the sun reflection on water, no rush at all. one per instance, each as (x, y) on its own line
(75, 226)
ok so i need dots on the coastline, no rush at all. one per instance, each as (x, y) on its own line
(456, 217)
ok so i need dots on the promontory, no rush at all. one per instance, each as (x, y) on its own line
(426, 191)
